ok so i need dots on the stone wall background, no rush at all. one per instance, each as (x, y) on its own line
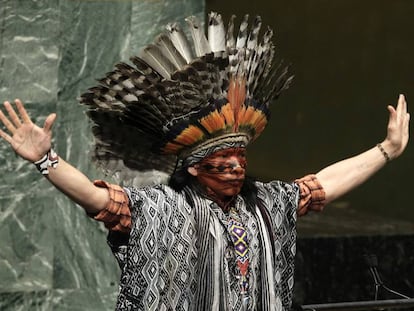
(52, 257)
(350, 58)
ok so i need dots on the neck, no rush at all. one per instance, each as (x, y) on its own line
(224, 202)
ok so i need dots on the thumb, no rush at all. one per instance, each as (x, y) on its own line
(391, 109)
(392, 113)
(49, 122)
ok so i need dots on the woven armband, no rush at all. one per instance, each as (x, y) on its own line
(116, 215)
(311, 195)
(50, 159)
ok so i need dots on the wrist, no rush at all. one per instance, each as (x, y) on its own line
(384, 149)
(50, 159)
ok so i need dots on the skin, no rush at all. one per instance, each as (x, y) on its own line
(222, 173)
(31, 142)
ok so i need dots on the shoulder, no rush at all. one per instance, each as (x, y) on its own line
(151, 193)
(278, 195)
(278, 187)
(159, 201)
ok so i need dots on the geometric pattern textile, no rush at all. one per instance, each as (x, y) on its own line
(180, 255)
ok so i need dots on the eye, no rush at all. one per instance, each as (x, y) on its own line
(208, 167)
(242, 154)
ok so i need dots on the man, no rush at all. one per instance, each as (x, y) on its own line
(212, 239)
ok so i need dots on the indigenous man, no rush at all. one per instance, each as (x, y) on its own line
(212, 238)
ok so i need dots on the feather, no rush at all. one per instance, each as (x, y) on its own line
(127, 156)
(260, 66)
(254, 33)
(180, 41)
(183, 97)
(153, 56)
(216, 33)
(149, 73)
(242, 35)
(170, 51)
(251, 46)
(230, 41)
(236, 97)
(201, 45)
(268, 52)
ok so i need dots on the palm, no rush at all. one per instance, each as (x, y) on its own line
(31, 142)
(28, 140)
(398, 126)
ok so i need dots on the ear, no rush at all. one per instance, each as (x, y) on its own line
(192, 170)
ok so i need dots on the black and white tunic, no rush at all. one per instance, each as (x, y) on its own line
(179, 255)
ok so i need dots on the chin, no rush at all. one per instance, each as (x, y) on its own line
(230, 192)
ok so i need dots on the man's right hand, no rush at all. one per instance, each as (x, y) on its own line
(28, 140)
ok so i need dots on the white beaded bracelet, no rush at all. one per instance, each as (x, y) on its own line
(49, 159)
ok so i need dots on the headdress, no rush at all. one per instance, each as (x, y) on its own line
(182, 100)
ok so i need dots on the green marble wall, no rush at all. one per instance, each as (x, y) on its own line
(52, 257)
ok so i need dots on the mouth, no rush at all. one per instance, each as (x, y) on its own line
(236, 182)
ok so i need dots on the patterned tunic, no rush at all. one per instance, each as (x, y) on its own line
(180, 255)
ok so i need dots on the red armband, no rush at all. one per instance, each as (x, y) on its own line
(312, 195)
(117, 215)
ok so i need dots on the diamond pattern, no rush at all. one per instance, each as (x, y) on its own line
(164, 274)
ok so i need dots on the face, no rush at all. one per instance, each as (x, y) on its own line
(222, 172)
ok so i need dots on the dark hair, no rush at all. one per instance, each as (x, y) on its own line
(180, 178)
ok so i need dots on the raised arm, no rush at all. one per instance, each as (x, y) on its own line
(341, 177)
(32, 143)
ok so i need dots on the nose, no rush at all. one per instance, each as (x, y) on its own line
(236, 166)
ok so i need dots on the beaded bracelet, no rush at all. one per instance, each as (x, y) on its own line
(384, 153)
(49, 159)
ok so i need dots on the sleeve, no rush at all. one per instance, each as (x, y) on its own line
(117, 215)
(311, 195)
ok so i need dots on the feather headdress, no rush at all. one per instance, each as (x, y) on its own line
(185, 98)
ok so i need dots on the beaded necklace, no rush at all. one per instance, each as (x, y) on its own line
(240, 241)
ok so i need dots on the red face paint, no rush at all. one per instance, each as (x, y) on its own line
(223, 172)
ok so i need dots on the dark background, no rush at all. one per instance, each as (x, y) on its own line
(350, 60)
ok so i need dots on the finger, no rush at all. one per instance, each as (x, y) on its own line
(49, 122)
(392, 111)
(22, 111)
(407, 122)
(13, 115)
(7, 123)
(5, 136)
(401, 107)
